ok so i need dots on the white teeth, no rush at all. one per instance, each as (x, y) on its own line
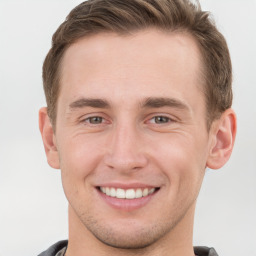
(138, 193)
(152, 190)
(112, 192)
(120, 193)
(130, 194)
(108, 191)
(145, 192)
(127, 194)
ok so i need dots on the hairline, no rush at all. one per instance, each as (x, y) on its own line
(130, 32)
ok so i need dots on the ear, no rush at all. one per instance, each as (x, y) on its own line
(49, 139)
(224, 133)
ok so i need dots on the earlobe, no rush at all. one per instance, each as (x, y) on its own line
(224, 133)
(49, 139)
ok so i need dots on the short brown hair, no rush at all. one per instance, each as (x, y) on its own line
(123, 17)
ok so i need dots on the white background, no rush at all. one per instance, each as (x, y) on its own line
(33, 209)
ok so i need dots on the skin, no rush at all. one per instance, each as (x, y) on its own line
(145, 91)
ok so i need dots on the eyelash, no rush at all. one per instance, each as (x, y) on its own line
(153, 120)
(89, 119)
(166, 119)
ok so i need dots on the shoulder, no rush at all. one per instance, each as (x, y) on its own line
(52, 251)
(204, 251)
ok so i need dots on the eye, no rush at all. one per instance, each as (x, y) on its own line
(160, 120)
(94, 120)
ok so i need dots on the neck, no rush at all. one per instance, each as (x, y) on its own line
(178, 242)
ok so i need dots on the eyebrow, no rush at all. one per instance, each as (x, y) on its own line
(151, 102)
(86, 102)
(164, 102)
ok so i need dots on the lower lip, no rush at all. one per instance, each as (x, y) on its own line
(126, 204)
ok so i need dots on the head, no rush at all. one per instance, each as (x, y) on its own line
(126, 17)
(138, 105)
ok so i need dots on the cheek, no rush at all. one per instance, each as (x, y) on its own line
(79, 155)
(183, 160)
(78, 161)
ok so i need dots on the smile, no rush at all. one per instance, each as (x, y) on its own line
(127, 193)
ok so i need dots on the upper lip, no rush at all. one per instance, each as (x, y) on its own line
(127, 185)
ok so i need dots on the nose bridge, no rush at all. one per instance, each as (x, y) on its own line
(126, 148)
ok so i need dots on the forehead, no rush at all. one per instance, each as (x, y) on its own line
(146, 63)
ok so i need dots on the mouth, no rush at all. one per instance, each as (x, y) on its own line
(131, 193)
(127, 199)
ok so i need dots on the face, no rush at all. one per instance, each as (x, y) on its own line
(131, 135)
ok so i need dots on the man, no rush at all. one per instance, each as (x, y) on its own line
(138, 106)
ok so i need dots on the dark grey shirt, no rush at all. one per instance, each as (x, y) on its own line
(59, 249)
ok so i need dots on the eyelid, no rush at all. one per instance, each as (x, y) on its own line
(86, 117)
(89, 118)
(154, 115)
(168, 120)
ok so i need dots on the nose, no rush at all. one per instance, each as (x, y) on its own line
(125, 151)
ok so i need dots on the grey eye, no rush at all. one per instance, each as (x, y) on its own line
(161, 119)
(95, 120)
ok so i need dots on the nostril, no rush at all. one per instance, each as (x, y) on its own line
(125, 163)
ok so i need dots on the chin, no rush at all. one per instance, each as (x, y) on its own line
(127, 241)
(130, 236)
